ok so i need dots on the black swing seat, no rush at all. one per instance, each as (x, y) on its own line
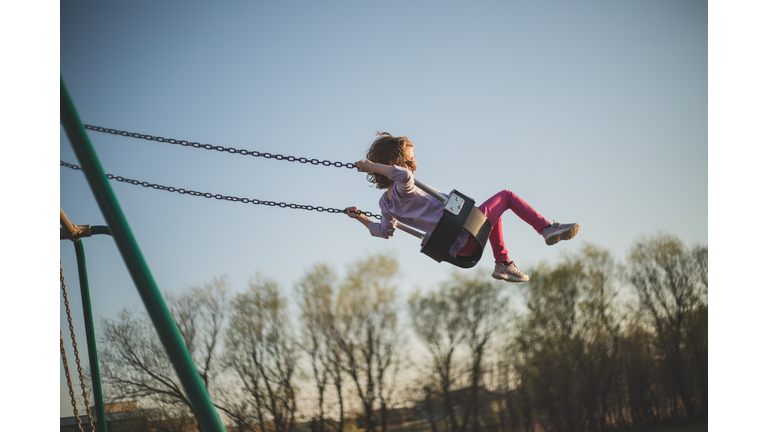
(459, 214)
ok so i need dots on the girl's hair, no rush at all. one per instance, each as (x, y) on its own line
(388, 150)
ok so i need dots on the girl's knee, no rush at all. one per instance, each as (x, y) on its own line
(508, 194)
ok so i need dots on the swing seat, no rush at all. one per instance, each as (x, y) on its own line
(459, 214)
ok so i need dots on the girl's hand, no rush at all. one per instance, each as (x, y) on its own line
(372, 167)
(352, 212)
(361, 165)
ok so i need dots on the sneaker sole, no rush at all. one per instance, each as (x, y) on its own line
(566, 235)
(507, 277)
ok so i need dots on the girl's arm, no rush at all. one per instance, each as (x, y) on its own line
(368, 166)
(384, 229)
(353, 213)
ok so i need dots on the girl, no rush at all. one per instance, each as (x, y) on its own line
(390, 165)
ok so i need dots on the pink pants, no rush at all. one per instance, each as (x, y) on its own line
(493, 209)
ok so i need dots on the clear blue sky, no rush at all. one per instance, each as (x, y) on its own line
(594, 112)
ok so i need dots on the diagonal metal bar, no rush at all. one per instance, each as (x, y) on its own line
(161, 317)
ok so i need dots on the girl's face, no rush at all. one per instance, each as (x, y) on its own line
(409, 156)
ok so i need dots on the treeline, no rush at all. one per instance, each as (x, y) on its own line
(588, 344)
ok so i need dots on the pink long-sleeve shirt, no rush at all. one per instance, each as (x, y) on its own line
(413, 207)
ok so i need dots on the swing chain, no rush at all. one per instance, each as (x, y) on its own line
(220, 148)
(223, 197)
(77, 355)
(69, 381)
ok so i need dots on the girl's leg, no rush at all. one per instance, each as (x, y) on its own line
(493, 208)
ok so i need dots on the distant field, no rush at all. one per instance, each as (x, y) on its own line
(693, 426)
(697, 426)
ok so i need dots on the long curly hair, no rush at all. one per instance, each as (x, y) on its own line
(388, 150)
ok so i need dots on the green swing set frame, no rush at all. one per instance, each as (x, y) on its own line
(118, 228)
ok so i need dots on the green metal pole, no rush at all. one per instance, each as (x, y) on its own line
(169, 333)
(90, 335)
(100, 229)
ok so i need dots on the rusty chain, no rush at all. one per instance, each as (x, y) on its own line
(69, 381)
(77, 356)
(223, 197)
(223, 149)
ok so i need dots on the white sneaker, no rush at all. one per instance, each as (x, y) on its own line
(509, 273)
(557, 231)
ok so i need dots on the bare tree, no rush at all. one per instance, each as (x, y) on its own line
(367, 335)
(670, 282)
(701, 256)
(438, 320)
(565, 350)
(262, 352)
(201, 315)
(466, 311)
(484, 309)
(639, 368)
(232, 400)
(603, 338)
(316, 290)
(135, 365)
(334, 359)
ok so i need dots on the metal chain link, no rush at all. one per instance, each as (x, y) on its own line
(224, 197)
(69, 381)
(230, 150)
(77, 355)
